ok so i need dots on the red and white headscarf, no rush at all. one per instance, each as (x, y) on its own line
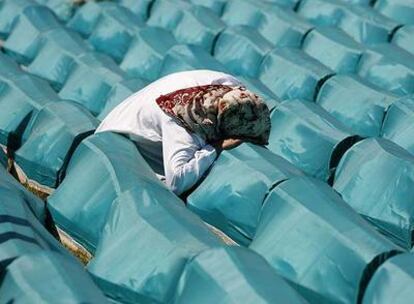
(217, 112)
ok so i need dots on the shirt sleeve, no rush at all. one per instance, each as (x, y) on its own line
(186, 157)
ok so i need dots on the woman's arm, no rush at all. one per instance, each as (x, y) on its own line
(186, 157)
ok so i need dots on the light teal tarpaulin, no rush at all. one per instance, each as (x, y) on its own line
(24, 41)
(90, 18)
(9, 185)
(376, 178)
(188, 57)
(389, 67)
(400, 10)
(21, 96)
(22, 216)
(398, 125)
(50, 139)
(146, 53)
(232, 275)
(241, 49)
(404, 38)
(63, 9)
(365, 25)
(215, 5)
(140, 8)
(333, 48)
(190, 24)
(148, 238)
(48, 277)
(103, 166)
(317, 242)
(9, 13)
(231, 196)
(290, 73)
(8, 66)
(355, 102)
(57, 56)
(362, 23)
(102, 74)
(392, 282)
(308, 137)
(113, 32)
(281, 27)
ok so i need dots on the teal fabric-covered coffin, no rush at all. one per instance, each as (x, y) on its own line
(281, 27)
(376, 177)
(355, 102)
(113, 32)
(22, 216)
(103, 166)
(291, 4)
(392, 282)
(9, 13)
(187, 57)
(389, 67)
(215, 5)
(146, 52)
(8, 66)
(241, 49)
(317, 242)
(359, 2)
(119, 93)
(63, 9)
(309, 137)
(145, 244)
(86, 17)
(291, 73)
(366, 25)
(332, 47)
(321, 12)
(20, 196)
(57, 56)
(232, 275)
(48, 277)
(50, 139)
(138, 7)
(398, 124)
(25, 38)
(101, 73)
(21, 96)
(231, 196)
(190, 24)
(404, 38)
(114, 15)
(401, 11)
(363, 24)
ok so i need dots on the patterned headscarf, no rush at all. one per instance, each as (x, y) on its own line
(217, 112)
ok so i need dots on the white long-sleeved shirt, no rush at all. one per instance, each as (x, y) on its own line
(172, 151)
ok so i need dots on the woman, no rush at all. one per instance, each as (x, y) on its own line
(181, 123)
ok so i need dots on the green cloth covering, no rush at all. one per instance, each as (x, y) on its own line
(230, 199)
(232, 275)
(312, 238)
(147, 239)
(376, 178)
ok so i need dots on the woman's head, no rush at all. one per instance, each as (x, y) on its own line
(218, 112)
(244, 115)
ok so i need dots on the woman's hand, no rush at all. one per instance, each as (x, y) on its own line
(231, 143)
(226, 144)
